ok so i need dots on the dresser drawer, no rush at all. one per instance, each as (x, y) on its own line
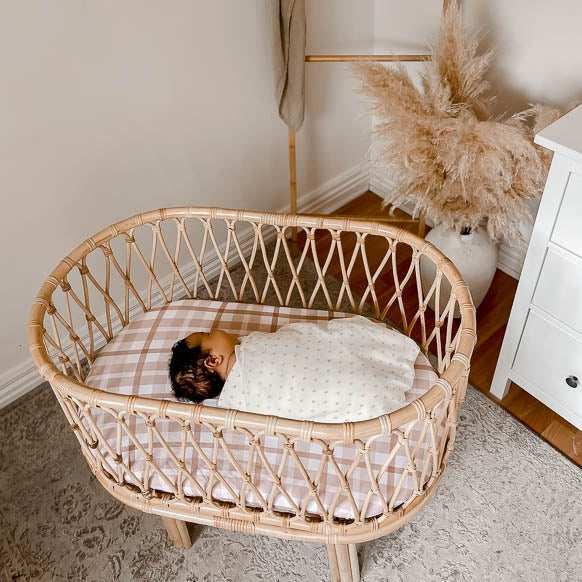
(546, 356)
(559, 288)
(568, 228)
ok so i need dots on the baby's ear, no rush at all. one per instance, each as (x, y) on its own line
(211, 362)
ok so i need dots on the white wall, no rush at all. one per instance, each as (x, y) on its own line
(405, 27)
(538, 46)
(111, 108)
(538, 49)
(336, 130)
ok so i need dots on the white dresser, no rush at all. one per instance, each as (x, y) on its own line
(542, 348)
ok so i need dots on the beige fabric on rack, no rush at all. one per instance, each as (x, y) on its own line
(289, 59)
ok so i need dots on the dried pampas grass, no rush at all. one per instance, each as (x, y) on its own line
(441, 146)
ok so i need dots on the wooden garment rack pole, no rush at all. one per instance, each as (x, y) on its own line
(403, 58)
(292, 147)
(365, 58)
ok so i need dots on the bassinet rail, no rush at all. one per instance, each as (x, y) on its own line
(233, 255)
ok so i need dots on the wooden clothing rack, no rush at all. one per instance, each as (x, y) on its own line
(404, 58)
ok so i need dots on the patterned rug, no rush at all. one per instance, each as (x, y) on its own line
(509, 508)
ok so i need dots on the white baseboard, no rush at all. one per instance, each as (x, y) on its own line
(343, 188)
(17, 381)
(380, 186)
(335, 192)
(510, 258)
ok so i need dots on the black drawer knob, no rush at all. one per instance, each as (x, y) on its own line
(572, 381)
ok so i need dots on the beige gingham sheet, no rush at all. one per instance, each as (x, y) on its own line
(136, 362)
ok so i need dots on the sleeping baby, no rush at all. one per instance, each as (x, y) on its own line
(342, 370)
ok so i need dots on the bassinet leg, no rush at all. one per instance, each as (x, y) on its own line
(333, 566)
(343, 562)
(354, 562)
(178, 532)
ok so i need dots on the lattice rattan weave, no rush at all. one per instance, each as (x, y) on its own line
(173, 253)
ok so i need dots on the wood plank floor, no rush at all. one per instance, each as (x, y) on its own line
(492, 317)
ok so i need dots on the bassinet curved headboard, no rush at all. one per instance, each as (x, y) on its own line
(160, 256)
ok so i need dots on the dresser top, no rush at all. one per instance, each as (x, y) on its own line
(564, 135)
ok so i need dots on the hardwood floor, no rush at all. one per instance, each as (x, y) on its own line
(492, 317)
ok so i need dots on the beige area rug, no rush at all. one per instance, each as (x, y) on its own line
(509, 508)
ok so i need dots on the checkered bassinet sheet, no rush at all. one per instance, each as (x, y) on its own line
(136, 362)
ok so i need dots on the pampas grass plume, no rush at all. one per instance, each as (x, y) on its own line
(464, 168)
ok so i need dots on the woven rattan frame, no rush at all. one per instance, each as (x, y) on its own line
(51, 327)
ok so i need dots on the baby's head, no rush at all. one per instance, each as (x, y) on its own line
(200, 364)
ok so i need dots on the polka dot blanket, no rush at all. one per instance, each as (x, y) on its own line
(342, 370)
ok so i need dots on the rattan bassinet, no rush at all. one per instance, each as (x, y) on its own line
(162, 256)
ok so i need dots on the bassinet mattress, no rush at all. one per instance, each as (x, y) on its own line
(136, 362)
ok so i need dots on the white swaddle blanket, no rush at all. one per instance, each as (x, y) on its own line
(342, 370)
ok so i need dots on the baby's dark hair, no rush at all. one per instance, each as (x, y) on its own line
(191, 379)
